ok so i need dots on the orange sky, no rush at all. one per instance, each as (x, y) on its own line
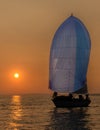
(26, 31)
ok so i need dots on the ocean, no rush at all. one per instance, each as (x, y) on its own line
(37, 112)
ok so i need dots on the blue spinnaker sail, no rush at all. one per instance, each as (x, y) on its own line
(69, 57)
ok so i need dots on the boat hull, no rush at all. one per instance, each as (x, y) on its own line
(62, 101)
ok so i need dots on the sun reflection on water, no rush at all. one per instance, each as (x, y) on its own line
(16, 112)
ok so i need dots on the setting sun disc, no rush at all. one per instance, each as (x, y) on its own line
(16, 75)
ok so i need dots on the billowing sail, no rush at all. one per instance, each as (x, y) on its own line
(69, 57)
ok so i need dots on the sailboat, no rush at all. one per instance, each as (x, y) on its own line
(69, 58)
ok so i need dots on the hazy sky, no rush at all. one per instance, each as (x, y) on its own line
(26, 31)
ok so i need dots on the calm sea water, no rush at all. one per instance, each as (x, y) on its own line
(37, 112)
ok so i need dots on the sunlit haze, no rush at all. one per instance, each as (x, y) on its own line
(26, 32)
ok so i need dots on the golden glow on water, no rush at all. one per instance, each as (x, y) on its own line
(16, 112)
(16, 99)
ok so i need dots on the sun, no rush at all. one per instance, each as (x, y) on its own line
(16, 75)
